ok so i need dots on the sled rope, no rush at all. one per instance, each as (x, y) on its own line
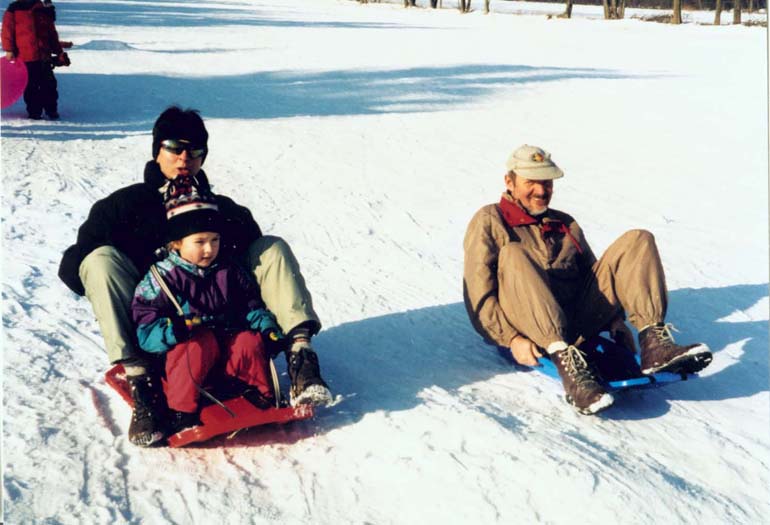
(163, 286)
(276, 384)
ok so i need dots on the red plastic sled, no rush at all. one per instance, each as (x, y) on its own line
(13, 80)
(216, 420)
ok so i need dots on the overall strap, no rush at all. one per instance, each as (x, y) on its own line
(163, 286)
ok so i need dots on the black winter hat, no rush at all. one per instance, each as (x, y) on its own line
(189, 209)
(178, 124)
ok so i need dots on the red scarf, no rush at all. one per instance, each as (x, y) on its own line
(515, 216)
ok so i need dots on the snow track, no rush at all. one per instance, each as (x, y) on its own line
(367, 136)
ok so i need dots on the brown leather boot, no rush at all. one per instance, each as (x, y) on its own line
(307, 387)
(661, 354)
(582, 389)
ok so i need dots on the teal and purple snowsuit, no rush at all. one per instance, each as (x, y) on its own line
(224, 320)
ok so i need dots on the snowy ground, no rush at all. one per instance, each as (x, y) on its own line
(367, 135)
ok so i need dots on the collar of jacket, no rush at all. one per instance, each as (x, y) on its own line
(154, 178)
(514, 214)
(177, 260)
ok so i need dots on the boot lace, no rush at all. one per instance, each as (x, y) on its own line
(663, 332)
(574, 361)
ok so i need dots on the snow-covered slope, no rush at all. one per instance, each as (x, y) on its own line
(367, 135)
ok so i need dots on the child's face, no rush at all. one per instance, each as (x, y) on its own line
(199, 248)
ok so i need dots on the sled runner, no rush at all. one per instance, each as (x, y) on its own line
(618, 367)
(236, 414)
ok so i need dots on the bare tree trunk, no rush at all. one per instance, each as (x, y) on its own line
(486, 7)
(610, 9)
(718, 13)
(751, 6)
(676, 18)
(568, 10)
(737, 13)
(622, 9)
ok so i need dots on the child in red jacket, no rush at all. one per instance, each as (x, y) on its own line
(29, 34)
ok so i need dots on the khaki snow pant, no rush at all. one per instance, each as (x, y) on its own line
(628, 279)
(281, 284)
(110, 278)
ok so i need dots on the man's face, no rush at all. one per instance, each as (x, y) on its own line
(534, 195)
(177, 159)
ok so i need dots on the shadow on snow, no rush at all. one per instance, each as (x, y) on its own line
(170, 13)
(95, 106)
(384, 363)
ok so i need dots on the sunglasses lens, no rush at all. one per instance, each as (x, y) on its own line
(177, 147)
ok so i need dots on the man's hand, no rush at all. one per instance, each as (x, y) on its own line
(620, 333)
(524, 351)
(10, 55)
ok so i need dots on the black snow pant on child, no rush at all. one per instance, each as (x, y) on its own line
(41, 93)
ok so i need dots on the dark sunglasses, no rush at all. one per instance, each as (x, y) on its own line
(178, 146)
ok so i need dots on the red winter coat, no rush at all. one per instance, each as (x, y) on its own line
(29, 31)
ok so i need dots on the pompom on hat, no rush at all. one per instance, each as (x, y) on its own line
(533, 163)
(189, 209)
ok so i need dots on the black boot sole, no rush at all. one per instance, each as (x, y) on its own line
(683, 364)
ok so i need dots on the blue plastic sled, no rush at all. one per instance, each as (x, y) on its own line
(617, 366)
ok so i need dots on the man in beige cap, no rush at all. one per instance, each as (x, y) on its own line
(533, 285)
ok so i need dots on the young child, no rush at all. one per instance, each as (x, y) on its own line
(224, 322)
(29, 34)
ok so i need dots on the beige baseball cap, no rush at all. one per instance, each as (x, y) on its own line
(531, 162)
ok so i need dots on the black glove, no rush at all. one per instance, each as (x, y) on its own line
(275, 342)
(180, 329)
(61, 60)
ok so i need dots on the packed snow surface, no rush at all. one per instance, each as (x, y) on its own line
(367, 136)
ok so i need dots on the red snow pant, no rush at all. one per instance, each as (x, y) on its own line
(243, 355)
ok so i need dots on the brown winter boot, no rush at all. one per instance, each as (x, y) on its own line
(582, 389)
(146, 428)
(307, 387)
(661, 354)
